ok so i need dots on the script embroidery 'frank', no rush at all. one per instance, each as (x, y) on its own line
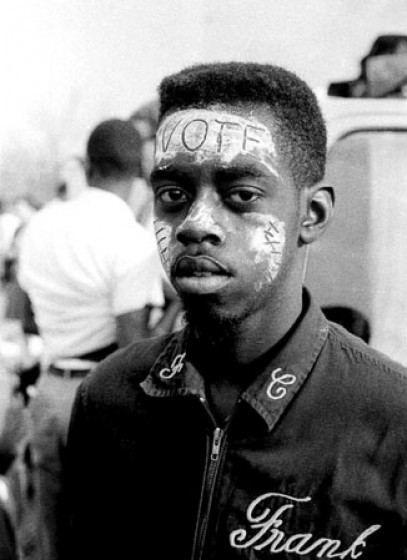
(208, 133)
(267, 532)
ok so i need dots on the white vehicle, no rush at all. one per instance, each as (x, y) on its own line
(361, 261)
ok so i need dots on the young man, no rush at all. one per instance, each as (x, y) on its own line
(261, 430)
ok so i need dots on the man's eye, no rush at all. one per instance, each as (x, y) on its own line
(171, 196)
(243, 196)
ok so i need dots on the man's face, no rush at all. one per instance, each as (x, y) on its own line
(227, 212)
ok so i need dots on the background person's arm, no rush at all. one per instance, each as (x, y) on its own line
(136, 281)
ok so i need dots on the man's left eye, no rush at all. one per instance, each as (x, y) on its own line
(243, 196)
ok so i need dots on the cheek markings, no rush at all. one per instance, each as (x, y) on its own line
(267, 244)
(275, 238)
(163, 234)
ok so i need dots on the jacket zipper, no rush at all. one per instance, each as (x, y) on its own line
(208, 487)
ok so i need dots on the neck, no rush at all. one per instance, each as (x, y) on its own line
(240, 344)
(121, 188)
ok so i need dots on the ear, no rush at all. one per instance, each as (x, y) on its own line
(318, 207)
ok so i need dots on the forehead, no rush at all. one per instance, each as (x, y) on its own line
(205, 134)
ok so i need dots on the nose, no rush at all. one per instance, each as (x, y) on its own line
(201, 225)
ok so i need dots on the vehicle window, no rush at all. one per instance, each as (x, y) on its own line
(361, 262)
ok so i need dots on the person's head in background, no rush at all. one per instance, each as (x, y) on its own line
(390, 46)
(113, 157)
(145, 120)
(383, 45)
(61, 191)
(351, 319)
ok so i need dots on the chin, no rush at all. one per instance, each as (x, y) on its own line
(211, 320)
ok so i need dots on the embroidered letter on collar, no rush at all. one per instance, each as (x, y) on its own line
(266, 532)
(276, 380)
(176, 366)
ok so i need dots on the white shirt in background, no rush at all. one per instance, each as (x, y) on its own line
(83, 262)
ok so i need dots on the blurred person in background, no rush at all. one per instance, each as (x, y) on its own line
(61, 191)
(20, 352)
(8, 533)
(16, 306)
(9, 224)
(383, 71)
(17, 504)
(145, 120)
(12, 432)
(351, 319)
(8, 543)
(92, 274)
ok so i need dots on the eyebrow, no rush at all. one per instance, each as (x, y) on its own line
(235, 171)
(244, 170)
(167, 173)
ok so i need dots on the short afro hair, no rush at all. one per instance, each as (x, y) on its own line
(114, 149)
(301, 127)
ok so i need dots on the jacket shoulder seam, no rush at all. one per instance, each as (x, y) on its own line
(383, 362)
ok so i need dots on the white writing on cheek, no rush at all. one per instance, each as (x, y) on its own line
(267, 245)
(273, 237)
(210, 132)
(163, 234)
(266, 532)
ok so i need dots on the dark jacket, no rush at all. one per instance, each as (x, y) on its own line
(311, 465)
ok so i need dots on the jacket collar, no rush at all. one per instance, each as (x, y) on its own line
(271, 391)
(172, 374)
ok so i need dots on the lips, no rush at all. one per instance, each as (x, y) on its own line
(200, 265)
(200, 275)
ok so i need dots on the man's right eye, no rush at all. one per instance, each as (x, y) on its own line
(171, 196)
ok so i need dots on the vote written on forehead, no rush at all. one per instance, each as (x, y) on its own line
(214, 133)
